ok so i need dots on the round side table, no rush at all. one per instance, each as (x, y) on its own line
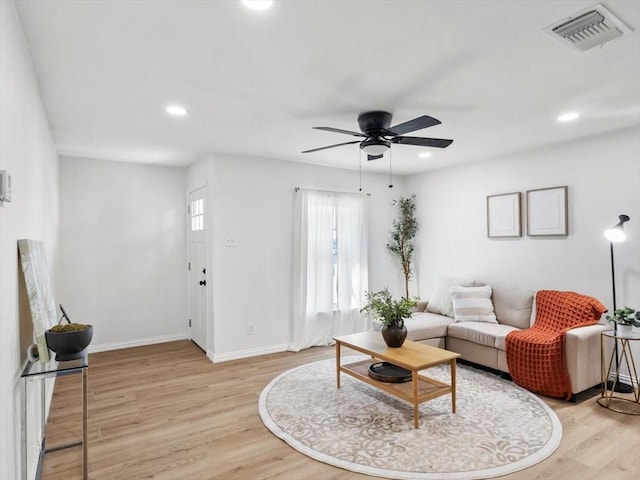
(621, 356)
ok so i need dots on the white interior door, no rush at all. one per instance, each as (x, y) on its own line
(198, 266)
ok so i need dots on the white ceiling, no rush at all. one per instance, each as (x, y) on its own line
(255, 83)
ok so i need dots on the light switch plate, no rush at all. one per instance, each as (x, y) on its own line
(5, 186)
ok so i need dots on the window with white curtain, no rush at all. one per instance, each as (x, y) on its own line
(330, 267)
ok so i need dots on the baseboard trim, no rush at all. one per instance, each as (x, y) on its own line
(622, 378)
(254, 352)
(105, 347)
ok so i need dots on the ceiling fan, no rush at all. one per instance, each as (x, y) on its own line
(378, 136)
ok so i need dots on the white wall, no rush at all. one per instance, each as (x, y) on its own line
(123, 263)
(252, 200)
(27, 152)
(603, 176)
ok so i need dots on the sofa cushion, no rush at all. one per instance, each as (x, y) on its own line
(513, 306)
(472, 304)
(440, 300)
(482, 333)
(424, 325)
(502, 336)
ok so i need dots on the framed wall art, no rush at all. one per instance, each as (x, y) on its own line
(503, 215)
(547, 212)
(40, 292)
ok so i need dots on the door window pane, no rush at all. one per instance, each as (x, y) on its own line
(197, 215)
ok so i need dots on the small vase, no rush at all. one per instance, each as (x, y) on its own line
(625, 330)
(393, 335)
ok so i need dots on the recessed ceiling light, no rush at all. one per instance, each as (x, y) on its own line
(425, 154)
(258, 4)
(569, 117)
(176, 110)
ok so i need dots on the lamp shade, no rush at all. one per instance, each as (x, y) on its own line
(616, 233)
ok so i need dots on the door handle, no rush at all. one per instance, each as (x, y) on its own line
(203, 282)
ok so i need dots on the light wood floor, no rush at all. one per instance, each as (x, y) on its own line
(166, 412)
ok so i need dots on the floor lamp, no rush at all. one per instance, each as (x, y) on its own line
(616, 235)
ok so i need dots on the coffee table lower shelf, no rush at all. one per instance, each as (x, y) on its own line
(414, 392)
(412, 356)
(428, 388)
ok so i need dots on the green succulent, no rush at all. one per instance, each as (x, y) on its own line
(69, 327)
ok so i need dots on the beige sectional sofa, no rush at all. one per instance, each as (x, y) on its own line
(483, 343)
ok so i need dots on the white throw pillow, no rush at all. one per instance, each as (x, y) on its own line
(440, 300)
(472, 304)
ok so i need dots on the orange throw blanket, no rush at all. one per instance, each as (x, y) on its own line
(535, 356)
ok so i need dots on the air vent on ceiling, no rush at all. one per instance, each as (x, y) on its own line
(589, 28)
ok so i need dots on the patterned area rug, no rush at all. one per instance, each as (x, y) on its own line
(498, 427)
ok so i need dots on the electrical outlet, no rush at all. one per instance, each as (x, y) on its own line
(249, 328)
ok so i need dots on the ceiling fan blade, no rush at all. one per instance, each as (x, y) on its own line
(330, 146)
(374, 157)
(412, 125)
(338, 130)
(422, 142)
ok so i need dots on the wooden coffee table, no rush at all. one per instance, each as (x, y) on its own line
(412, 356)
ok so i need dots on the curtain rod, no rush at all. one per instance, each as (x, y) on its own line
(297, 189)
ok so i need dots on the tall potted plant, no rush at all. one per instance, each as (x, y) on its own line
(403, 233)
(391, 314)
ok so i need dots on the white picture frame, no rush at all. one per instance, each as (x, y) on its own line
(503, 215)
(547, 212)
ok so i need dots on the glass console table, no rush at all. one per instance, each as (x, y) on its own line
(621, 356)
(36, 371)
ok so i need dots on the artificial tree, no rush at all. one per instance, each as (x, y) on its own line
(403, 233)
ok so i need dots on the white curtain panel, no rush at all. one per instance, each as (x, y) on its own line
(316, 318)
(352, 272)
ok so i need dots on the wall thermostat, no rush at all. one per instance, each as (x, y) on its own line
(5, 186)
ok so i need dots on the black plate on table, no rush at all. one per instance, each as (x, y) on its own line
(388, 372)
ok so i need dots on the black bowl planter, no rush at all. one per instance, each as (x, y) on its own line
(394, 336)
(69, 345)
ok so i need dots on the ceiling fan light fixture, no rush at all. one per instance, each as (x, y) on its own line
(375, 146)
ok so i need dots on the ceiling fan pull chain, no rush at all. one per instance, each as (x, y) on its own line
(360, 157)
(390, 182)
